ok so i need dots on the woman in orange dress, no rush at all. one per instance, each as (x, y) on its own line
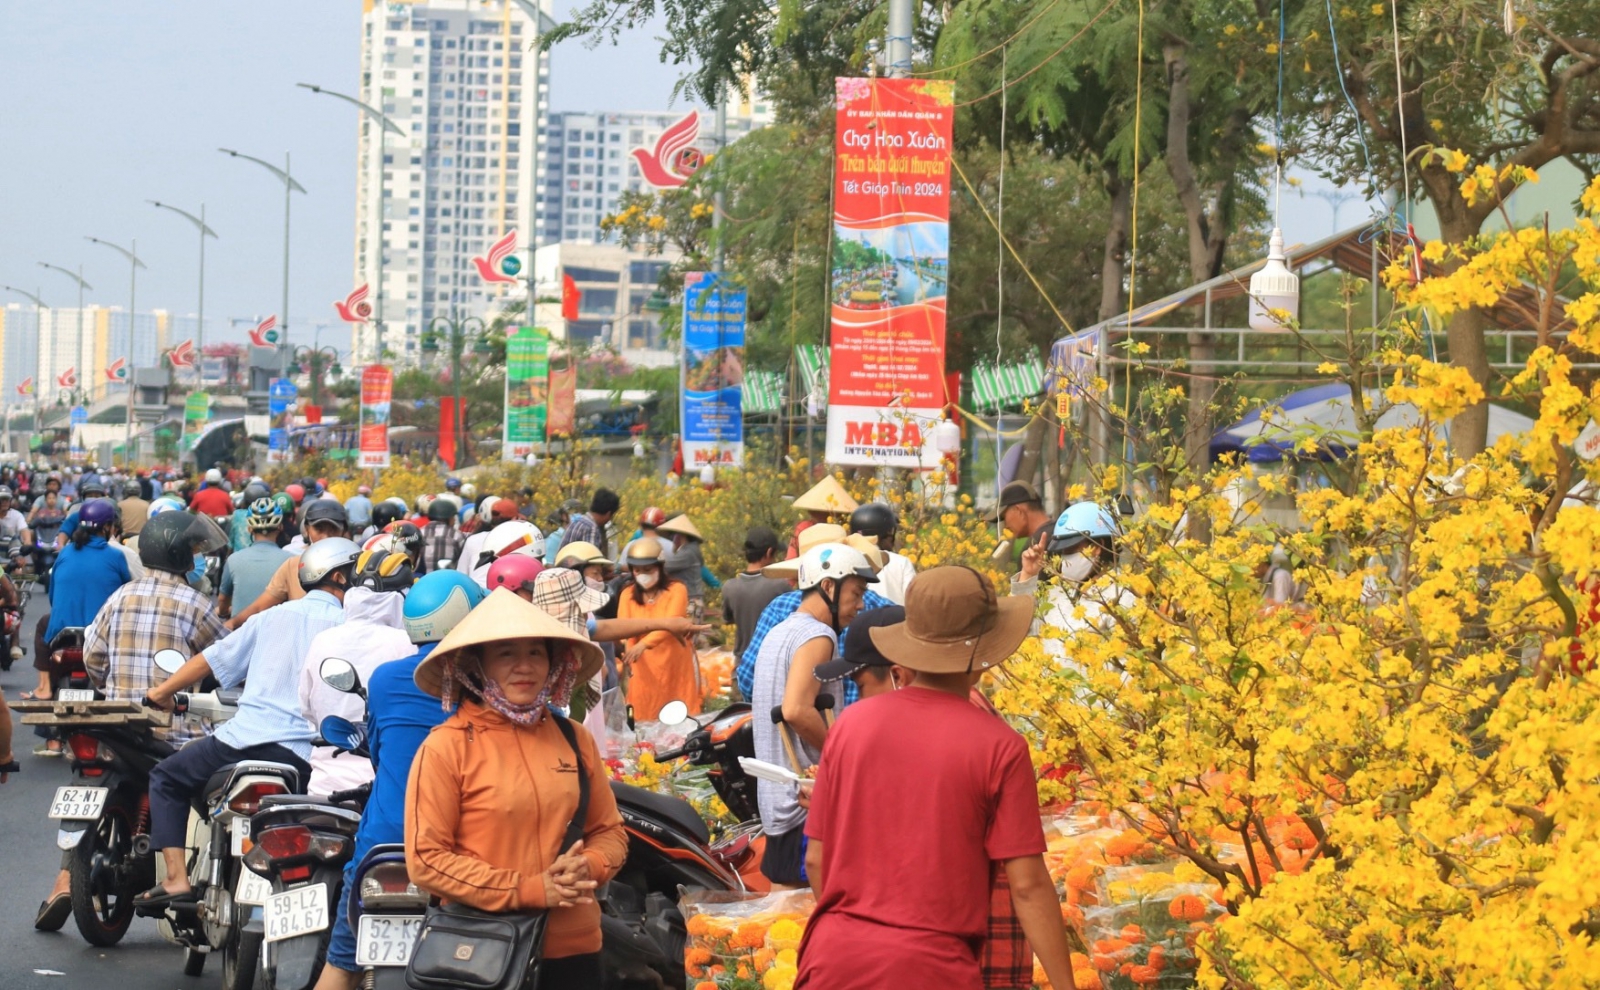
(658, 667)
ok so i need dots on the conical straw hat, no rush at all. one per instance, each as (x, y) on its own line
(826, 495)
(503, 615)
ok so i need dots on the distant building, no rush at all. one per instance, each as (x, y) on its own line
(457, 77)
(620, 308)
(104, 339)
(590, 160)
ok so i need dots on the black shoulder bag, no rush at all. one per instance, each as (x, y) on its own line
(462, 948)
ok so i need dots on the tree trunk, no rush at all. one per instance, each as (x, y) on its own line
(1469, 432)
(1113, 269)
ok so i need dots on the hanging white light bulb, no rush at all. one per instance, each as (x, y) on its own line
(946, 437)
(1274, 290)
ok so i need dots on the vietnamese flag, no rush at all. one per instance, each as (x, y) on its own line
(571, 295)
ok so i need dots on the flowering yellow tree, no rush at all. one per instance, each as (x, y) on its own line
(1396, 784)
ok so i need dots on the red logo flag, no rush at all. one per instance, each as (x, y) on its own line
(355, 308)
(674, 158)
(490, 269)
(68, 378)
(117, 371)
(258, 336)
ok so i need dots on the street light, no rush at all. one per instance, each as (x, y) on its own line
(385, 126)
(315, 356)
(457, 330)
(38, 349)
(76, 276)
(290, 186)
(540, 19)
(132, 254)
(200, 320)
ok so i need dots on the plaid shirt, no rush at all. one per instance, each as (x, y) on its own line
(582, 528)
(157, 612)
(1007, 957)
(440, 541)
(781, 608)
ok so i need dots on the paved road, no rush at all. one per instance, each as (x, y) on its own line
(28, 863)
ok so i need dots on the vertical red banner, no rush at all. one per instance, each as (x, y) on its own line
(563, 401)
(448, 421)
(891, 263)
(377, 390)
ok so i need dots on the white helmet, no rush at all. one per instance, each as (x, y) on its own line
(214, 476)
(511, 537)
(469, 491)
(833, 560)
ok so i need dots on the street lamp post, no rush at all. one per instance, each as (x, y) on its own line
(132, 254)
(290, 186)
(76, 276)
(540, 20)
(200, 320)
(385, 126)
(456, 331)
(38, 350)
(315, 358)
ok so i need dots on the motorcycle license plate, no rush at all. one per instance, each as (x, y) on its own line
(301, 911)
(386, 941)
(75, 694)
(239, 834)
(253, 888)
(78, 804)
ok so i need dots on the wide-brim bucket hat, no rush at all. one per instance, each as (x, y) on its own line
(811, 536)
(502, 616)
(955, 623)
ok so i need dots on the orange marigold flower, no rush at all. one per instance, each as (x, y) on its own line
(1187, 907)
(1132, 934)
(1299, 837)
(1080, 877)
(1144, 975)
(698, 955)
(749, 935)
(705, 985)
(699, 925)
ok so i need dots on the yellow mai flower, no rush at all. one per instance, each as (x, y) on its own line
(1455, 161)
(1327, 368)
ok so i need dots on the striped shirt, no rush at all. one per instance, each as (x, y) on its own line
(157, 612)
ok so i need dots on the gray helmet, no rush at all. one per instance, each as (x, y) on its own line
(325, 558)
(326, 510)
(170, 540)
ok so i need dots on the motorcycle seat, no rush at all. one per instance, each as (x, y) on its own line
(69, 638)
(218, 781)
(275, 800)
(672, 810)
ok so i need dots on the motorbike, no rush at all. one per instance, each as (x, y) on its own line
(68, 677)
(105, 820)
(228, 918)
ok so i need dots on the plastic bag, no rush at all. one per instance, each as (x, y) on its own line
(740, 939)
(619, 738)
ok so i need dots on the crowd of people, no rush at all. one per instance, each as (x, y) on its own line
(491, 647)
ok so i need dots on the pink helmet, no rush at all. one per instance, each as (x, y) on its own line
(515, 571)
(296, 492)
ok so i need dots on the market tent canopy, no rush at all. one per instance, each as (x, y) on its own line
(998, 386)
(1320, 423)
(812, 360)
(763, 392)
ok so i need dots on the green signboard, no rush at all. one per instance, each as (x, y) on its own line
(196, 414)
(527, 391)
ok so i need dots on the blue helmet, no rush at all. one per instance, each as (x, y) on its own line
(437, 602)
(1083, 521)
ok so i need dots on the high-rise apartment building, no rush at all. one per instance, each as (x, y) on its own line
(457, 78)
(589, 161)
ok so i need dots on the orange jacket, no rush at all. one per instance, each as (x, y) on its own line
(487, 809)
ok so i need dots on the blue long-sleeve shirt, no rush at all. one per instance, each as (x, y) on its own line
(81, 582)
(779, 609)
(399, 717)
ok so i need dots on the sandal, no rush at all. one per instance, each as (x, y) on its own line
(53, 913)
(35, 696)
(158, 899)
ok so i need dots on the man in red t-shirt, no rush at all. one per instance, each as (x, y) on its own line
(212, 500)
(905, 824)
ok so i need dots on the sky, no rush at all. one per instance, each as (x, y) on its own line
(117, 103)
(110, 103)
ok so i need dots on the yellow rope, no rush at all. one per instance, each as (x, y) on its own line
(1009, 246)
(1133, 251)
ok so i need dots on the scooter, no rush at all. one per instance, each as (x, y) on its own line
(719, 742)
(228, 918)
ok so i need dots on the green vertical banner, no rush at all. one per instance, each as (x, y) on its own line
(196, 414)
(527, 391)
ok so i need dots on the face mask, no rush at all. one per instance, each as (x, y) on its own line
(595, 584)
(647, 580)
(1077, 568)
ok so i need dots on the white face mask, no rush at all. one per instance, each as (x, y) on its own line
(647, 579)
(1077, 568)
(595, 583)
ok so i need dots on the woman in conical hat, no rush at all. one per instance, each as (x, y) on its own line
(827, 498)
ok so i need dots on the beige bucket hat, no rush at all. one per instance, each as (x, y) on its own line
(811, 536)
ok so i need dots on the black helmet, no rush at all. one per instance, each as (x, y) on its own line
(256, 490)
(386, 512)
(441, 510)
(874, 519)
(92, 489)
(384, 570)
(170, 540)
(407, 537)
(326, 510)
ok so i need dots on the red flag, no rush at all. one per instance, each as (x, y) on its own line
(447, 430)
(313, 414)
(571, 295)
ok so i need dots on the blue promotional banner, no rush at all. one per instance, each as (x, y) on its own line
(76, 420)
(713, 373)
(281, 396)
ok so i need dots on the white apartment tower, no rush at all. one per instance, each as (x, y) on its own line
(457, 78)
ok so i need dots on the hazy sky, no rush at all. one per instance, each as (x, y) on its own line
(110, 103)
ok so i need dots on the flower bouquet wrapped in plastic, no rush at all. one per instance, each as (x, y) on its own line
(744, 941)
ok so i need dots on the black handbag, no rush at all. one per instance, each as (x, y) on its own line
(463, 948)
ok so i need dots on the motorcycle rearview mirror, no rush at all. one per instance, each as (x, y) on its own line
(673, 713)
(169, 661)
(340, 675)
(343, 733)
